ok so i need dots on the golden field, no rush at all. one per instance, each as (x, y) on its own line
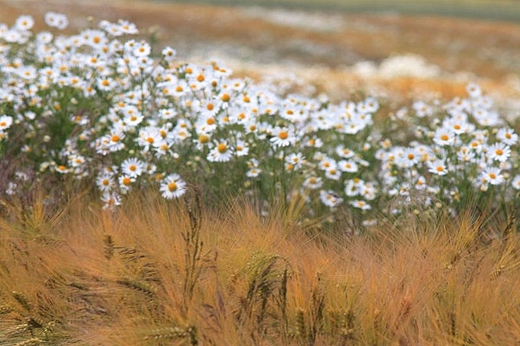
(157, 273)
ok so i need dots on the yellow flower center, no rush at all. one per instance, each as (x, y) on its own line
(225, 98)
(115, 138)
(283, 135)
(133, 168)
(445, 137)
(172, 186)
(150, 140)
(440, 168)
(411, 156)
(210, 121)
(499, 152)
(492, 175)
(203, 139)
(222, 148)
(127, 181)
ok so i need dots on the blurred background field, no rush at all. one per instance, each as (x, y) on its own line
(499, 10)
(397, 50)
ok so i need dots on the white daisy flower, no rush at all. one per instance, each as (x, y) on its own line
(222, 152)
(444, 136)
(349, 166)
(282, 137)
(492, 176)
(499, 152)
(438, 167)
(173, 187)
(24, 23)
(133, 167)
(111, 200)
(5, 122)
(330, 198)
(169, 53)
(516, 182)
(295, 160)
(313, 183)
(105, 182)
(507, 136)
(125, 183)
(360, 204)
(333, 173)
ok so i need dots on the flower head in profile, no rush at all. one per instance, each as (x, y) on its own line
(360, 204)
(111, 200)
(173, 187)
(330, 198)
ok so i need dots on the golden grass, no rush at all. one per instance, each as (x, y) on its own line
(163, 273)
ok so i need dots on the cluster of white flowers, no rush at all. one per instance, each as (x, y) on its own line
(93, 107)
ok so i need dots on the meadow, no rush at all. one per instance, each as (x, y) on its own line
(146, 199)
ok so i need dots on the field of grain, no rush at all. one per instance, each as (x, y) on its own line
(159, 273)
